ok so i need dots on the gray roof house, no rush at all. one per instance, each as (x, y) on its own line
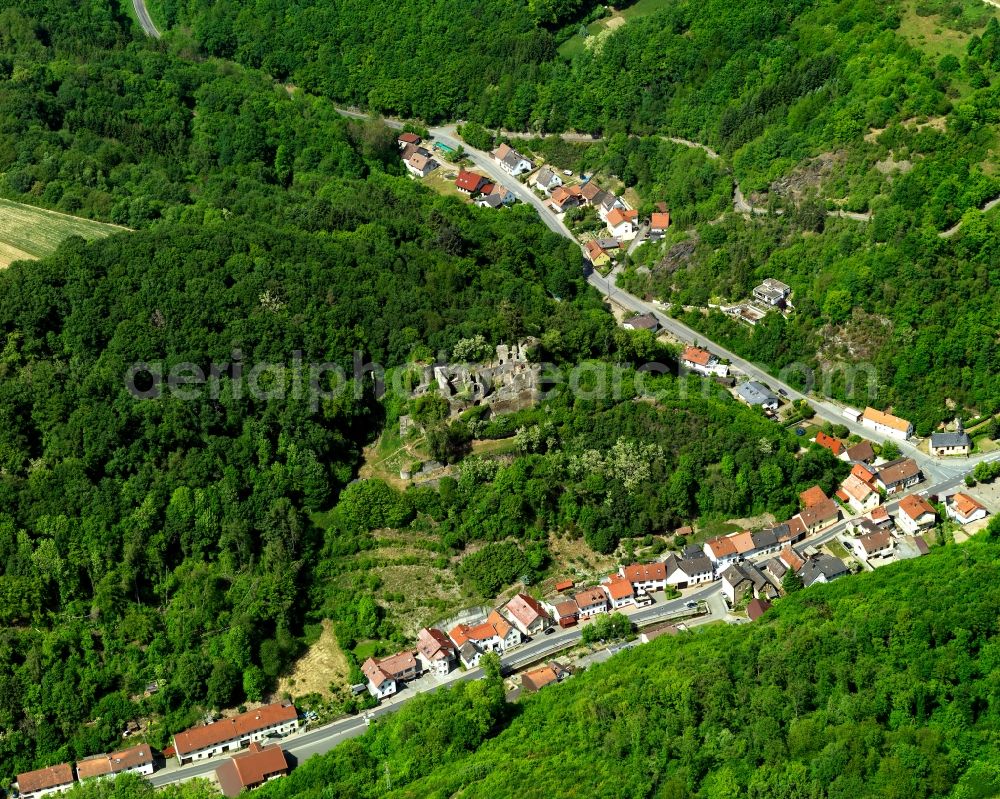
(957, 443)
(644, 321)
(822, 568)
(547, 180)
(754, 394)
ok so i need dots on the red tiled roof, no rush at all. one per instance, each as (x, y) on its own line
(96, 766)
(659, 221)
(469, 181)
(590, 190)
(564, 585)
(390, 667)
(697, 355)
(791, 559)
(757, 608)
(812, 496)
(879, 513)
(743, 542)
(796, 528)
(863, 473)
(408, 138)
(618, 587)
(830, 443)
(43, 778)
(617, 216)
(537, 679)
(721, 546)
(115, 762)
(820, 512)
(886, 419)
(915, 507)
(567, 608)
(198, 738)
(257, 763)
(645, 572)
(499, 623)
(965, 504)
(434, 644)
(590, 596)
(526, 609)
(594, 250)
(857, 488)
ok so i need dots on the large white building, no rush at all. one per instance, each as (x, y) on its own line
(229, 735)
(886, 424)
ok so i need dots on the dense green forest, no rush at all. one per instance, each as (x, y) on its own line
(777, 88)
(171, 540)
(177, 539)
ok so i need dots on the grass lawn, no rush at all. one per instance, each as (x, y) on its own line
(493, 446)
(838, 550)
(575, 45)
(710, 529)
(935, 38)
(27, 232)
(439, 182)
(364, 650)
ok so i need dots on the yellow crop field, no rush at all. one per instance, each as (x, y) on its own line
(29, 232)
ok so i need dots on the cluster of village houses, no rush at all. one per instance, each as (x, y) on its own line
(751, 566)
(622, 222)
(253, 759)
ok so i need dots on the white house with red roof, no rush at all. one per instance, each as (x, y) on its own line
(435, 650)
(659, 221)
(623, 224)
(703, 362)
(228, 735)
(527, 614)
(915, 515)
(385, 675)
(721, 551)
(43, 781)
(964, 509)
(619, 590)
(647, 577)
(591, 601)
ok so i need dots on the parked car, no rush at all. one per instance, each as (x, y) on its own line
(549, 631)
(782, 392)
(690, 604)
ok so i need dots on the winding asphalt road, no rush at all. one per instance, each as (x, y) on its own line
(145, 20)
(935, 469)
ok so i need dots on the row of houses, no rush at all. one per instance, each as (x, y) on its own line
(197, 743)
(763, 581)
(438, 653)
(818, 513)
(60, 778)
(862, 489)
